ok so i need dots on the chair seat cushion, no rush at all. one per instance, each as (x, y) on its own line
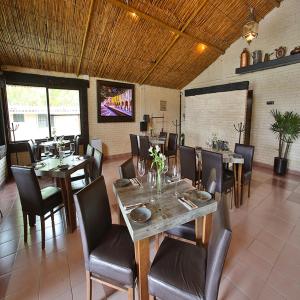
(178, 271)
(114, 258)
(52, 197)
(79, 174)
(78, 185)
(184, 231)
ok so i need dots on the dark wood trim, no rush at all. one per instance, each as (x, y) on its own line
(271, 64)
(44, 80)
(248, 117)
(242, 85)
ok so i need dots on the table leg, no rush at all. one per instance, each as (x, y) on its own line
(236, 194)
(240, 191)
(206, 229)
(61, 184)
(142, 257)
(31, 220)
(70, 204)
(198, 230)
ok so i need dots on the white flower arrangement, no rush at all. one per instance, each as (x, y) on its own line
(159, 159)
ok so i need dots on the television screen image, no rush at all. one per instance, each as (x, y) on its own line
(115, 101)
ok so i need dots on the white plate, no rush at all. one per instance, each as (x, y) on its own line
(198, 195)
(140, 214)
(122, 182)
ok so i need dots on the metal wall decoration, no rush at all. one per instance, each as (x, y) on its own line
(240, 128)
(280, 52)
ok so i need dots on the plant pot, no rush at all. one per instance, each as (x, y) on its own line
(280, 166)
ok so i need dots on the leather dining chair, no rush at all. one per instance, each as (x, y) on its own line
(188, 164)
(134, 145)
(80, 174)
(126, 170)
(107, 248)
(95, 172)
(163, 134)
(182, 271)
(247, 151)
(36, 201)
(77, 144)
(32, 150)
(144, 148)
(172, 147)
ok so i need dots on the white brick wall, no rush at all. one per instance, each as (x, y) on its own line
(3, 170)
(280, 27)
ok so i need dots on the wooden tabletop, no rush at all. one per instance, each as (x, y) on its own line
(166, 211)
(51, 166)
(228, 156)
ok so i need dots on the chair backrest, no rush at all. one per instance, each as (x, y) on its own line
(172, 143)
(247, 151)
(212, 169)
(93, 211)
(144, 147)
(188, 162)
(217, 250)
(89, 150)
(32, 151)
(134, 144)
(77, 144)
(163, 134)
(97, 164)
(127, 170)
(29, 189)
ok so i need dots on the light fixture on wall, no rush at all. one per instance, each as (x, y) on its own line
(250, 29)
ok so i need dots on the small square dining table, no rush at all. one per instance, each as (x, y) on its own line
(51, 168)
(166, 212)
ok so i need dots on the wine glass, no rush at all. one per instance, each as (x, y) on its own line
(61, 154)
(47, 151)
(72, 150)
(165, 170)
(175, 177)
(151, 179)
(141, 168)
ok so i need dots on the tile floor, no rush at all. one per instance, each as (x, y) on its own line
(263, 261)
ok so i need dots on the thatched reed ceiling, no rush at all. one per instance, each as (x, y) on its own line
(102, 38)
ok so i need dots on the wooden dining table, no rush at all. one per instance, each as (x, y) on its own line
(166, 212)
(237, 161)
(51, 167)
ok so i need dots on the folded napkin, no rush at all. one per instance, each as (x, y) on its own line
(133, 206)
(135, 182)
(187, 203)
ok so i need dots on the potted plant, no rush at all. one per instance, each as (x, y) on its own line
(287, 129)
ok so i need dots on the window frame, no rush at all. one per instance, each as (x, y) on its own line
(48, 82)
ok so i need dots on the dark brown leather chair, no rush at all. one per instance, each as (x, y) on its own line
(213, 170)
(134, 145)
(77, 144)
(163, 134)
(95, 172)
(80, 174)
(247, 151)
(36, 201)
(172, 147)
(32, 150)
(188, 164)
(126, 170)
(182, 271)
(108, 249)
(144, 148)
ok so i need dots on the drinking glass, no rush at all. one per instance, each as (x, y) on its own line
(165, 170)
(61, 154)
(141, 169)
(151, 179)
(175, 177)
(47, 152)
(72, 150)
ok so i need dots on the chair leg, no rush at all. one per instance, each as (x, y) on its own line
(52, 219)
(88, 286)
(130, 293)
(249, 186)
(25, 226)
(43, 231)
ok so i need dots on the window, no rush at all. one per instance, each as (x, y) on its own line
(18, 118)
(28, 108)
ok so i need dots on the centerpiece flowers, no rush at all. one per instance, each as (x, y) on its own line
(158, 160)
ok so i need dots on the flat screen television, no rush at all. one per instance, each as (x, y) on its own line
(115, 101)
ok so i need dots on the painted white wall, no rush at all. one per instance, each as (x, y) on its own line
(280, 28)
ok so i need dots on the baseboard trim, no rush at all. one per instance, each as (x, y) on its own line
(270, 168)
(117, 156)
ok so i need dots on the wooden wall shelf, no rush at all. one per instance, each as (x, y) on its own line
(275, 63)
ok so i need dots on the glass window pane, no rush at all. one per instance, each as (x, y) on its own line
(25, 104)
(64, 112)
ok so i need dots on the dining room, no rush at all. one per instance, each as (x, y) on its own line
(150, 149)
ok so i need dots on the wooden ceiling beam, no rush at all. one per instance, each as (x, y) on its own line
(84, 37)
(192, 16)
(275, 2)
(164, 25)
